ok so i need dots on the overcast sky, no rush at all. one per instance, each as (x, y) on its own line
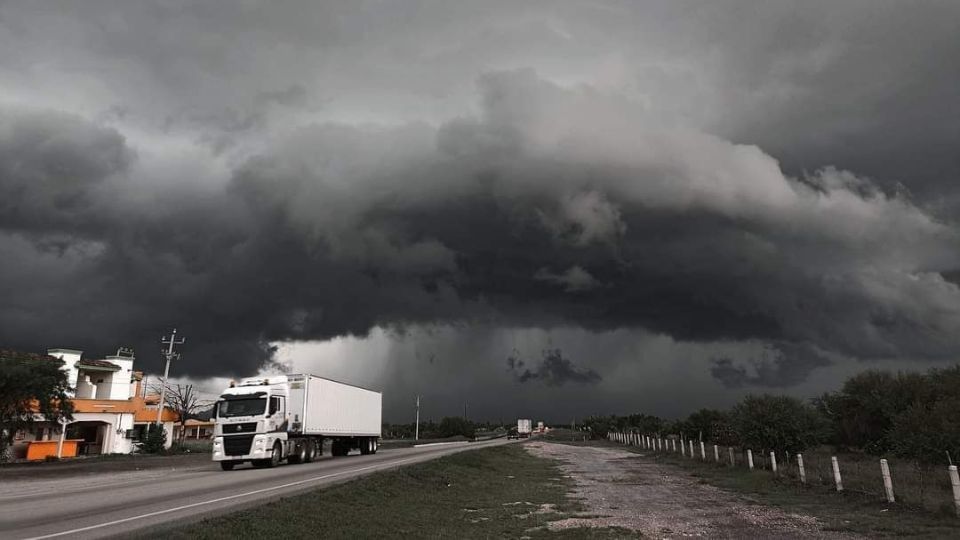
(544, 209)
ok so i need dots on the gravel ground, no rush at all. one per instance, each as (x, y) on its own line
(622, 489)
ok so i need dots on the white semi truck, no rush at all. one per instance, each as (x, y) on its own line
(268, 420)
(523, 428)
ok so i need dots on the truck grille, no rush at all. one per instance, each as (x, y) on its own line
(243, 427)
(237, 445)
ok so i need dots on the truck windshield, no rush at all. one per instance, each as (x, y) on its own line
(241, 407)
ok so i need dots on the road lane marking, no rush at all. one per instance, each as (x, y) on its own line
(220, 499)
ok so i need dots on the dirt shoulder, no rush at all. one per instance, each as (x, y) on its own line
(623, 489)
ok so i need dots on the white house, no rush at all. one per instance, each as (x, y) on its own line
(111, 409)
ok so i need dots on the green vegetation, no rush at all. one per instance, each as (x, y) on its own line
(906, 415)
(154, 440)
(922, 511)
(450, 426)
(488, 493)
(29, 384)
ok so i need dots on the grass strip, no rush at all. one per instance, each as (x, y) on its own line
(502, 492)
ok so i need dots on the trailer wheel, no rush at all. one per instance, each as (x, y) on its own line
(375, 444)
(228, 465)
(299, 454)
(310, 451)
(364, 446)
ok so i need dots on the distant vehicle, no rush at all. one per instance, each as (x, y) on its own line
(523, 428)
(268, 420)
(540, 428)
(512, 434)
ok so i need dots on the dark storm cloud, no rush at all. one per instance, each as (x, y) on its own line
(552, 370)
(779, 366)
(614, 201)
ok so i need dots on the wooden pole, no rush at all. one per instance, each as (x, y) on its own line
(836, 473)
(955, 483)
(887, 481)
(773, 462)
(750, 459)
(803, 473)
(703, 452)
(733, 462)
(716, 453)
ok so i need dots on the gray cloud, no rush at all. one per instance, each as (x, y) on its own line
(534, 166)
(779, 366)
(552, 370)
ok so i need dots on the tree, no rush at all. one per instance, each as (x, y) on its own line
(183, 400)
(863, 411)
(155, 440)
(33, 387)
(779, 423)
(452, 426)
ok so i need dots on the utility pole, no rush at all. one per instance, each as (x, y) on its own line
(416, 433)
(170, 355)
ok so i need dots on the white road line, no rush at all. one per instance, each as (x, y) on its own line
(221, 499)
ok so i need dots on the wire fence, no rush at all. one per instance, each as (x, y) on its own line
(909, 483)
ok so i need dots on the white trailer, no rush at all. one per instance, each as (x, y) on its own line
(524, 426)
(267, 420)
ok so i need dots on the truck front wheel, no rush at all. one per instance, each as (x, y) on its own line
(273, 460)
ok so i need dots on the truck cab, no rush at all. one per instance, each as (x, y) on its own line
(251, 423)
(265, 420)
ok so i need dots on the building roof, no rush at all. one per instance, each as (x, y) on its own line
(98, 365)
(193, 422)
(7, 353)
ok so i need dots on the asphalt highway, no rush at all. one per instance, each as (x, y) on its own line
(115, 503)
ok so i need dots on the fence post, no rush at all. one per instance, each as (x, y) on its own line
(803, 473)
(750, 458)
(836, 473)
(773, 462)
(703, 452)
(683, 449)
(955, 482)
(733, 462)
(716, 454)
(887, 481)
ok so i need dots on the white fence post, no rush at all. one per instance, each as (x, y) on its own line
(955, 482)
(733, 461)
(716, 454)
(836, 473)
(803, 473)
(703, 452)
(683, 449)
(750, 458)
(773, 462)
(691, 450)
(887, 481)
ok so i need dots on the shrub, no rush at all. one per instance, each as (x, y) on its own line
(451, 426)
(155, 440)
(779, 423)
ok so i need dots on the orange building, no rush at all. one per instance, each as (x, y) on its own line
(111, 410)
